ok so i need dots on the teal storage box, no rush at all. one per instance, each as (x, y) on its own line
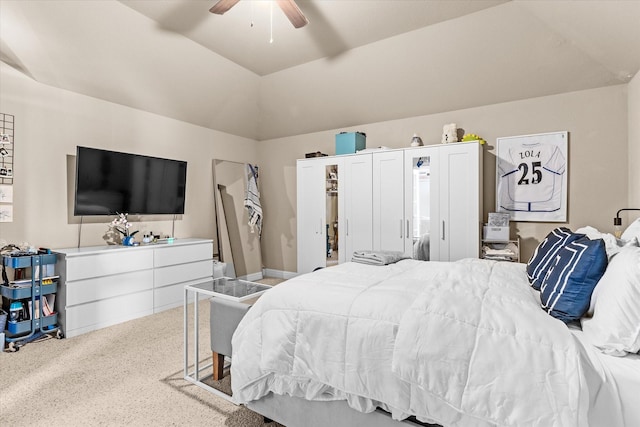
(350, 142)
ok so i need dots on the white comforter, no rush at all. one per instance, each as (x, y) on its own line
(460, 344)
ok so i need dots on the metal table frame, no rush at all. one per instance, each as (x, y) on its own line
(194, 376)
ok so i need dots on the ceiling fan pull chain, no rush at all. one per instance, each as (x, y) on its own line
(271, 20)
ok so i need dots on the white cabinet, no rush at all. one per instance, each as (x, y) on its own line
(106, 285)
(443, 192)
(311, 214)
(460, 200)
(425, 200)
(315, 211)
(356, 215)
(340, 206)
(390, 228)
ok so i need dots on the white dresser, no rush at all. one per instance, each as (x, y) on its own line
(105, 285)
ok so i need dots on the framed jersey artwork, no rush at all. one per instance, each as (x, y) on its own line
(531, 177)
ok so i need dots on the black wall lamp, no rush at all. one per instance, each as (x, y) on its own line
(617, 222)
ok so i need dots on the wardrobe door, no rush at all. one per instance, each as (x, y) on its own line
(389, 226)
(421, 202)
(460, 200)
(355, 216)
(311, 220)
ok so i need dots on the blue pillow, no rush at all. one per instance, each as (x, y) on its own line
(546, 252)
(566, 289)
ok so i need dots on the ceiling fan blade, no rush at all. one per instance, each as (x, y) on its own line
(222, 6)
(293, 12)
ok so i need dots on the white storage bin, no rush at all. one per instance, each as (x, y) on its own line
(496, 234)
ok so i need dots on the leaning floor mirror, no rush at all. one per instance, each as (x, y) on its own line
(238, 245)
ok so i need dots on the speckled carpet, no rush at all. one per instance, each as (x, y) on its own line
(129, 374)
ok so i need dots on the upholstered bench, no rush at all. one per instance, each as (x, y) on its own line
(223, 321)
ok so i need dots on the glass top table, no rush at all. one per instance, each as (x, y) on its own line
(232, 289)
(223, 287)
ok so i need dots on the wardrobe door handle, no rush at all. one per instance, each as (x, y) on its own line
(408, 236)
(442, 230)
(401, 229)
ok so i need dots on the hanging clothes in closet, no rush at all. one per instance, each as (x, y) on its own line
(252, 200)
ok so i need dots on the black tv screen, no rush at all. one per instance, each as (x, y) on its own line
(110, 182)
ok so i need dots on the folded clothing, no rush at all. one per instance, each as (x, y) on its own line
(378, 257)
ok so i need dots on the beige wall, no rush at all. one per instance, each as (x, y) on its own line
(51, 122)
(598, 169)
(634, 144)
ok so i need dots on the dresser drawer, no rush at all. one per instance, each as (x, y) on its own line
(172, 295)
(105, 264)
(164, 276)
(172, 255)
(83, 291)
(99, 314)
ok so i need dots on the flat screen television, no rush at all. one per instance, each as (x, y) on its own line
(110, 182)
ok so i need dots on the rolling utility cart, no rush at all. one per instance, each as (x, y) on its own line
(28, 292)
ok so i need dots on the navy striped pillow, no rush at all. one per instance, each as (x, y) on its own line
(546, 252)
(566, 289)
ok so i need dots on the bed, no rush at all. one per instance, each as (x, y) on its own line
(453, 344)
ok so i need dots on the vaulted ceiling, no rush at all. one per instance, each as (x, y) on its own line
(355, 62)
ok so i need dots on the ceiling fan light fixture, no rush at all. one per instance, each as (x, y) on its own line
(289, 7)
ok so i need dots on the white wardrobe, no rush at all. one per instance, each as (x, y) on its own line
(424, 201)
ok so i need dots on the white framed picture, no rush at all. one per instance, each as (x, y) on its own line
(6, 193)
(532, 177)
(6, 213)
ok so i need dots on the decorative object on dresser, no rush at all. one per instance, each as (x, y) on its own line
(122, 225)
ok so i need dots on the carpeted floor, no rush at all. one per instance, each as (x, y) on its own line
(129, 374)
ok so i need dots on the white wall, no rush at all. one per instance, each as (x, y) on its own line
(598, 177)
(51, 122)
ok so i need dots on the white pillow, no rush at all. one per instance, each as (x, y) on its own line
(611, 244)
(611, 251)
(615, 325)
(633, 230)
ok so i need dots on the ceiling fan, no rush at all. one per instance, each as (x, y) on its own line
(289, 7)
